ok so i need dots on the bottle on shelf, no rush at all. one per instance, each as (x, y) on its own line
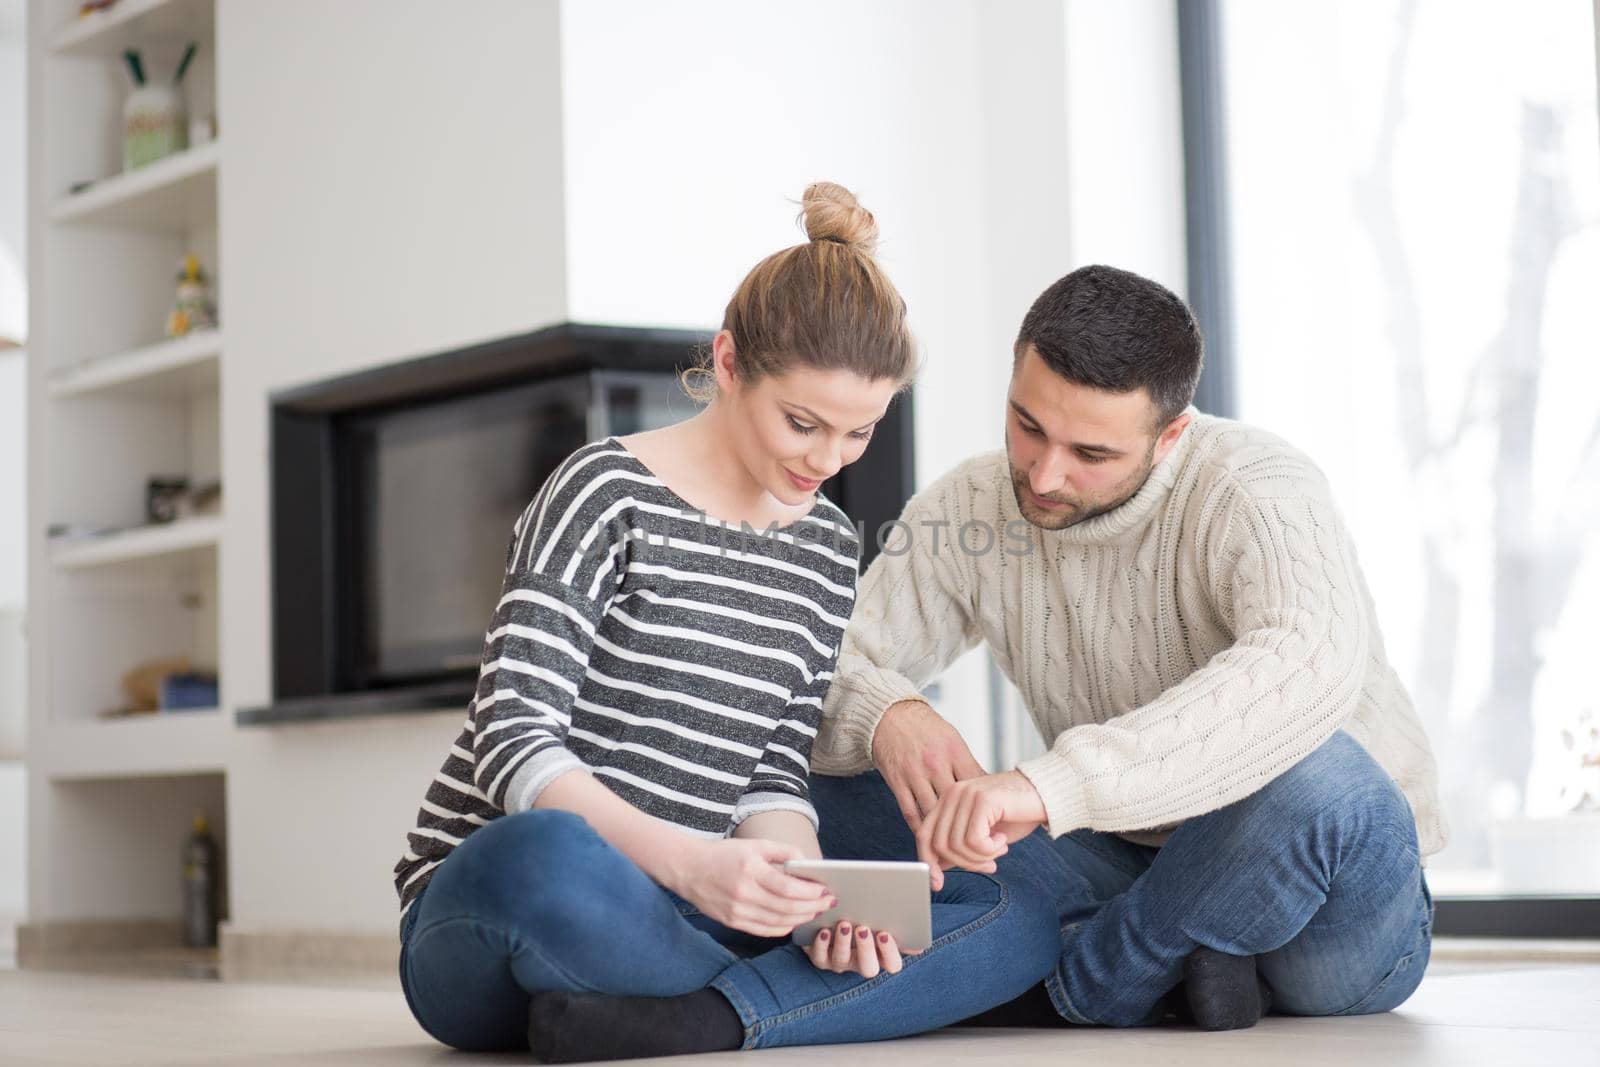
(200, 886)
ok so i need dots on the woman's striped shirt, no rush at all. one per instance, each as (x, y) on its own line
(680, 661)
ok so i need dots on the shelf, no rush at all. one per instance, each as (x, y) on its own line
(193, 741)
(434, 697)
(145, 542)
(136, 24)
(174, 193)
(168, 370)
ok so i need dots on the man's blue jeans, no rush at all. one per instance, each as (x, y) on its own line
(538, 901)
(1317, 874)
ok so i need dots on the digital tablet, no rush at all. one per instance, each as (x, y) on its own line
(877, 894)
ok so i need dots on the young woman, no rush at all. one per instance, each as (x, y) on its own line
(596, 870)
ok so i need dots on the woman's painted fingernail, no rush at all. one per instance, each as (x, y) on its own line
(844, 929)
(862, 933)
(822, 935)
(883, 939)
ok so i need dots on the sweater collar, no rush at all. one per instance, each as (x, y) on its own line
(1138, 510)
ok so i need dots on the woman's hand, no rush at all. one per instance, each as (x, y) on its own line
(741, 884)
(845, 947)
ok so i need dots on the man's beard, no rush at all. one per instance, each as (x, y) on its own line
(1076, 511)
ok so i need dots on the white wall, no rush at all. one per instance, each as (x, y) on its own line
(14, 237)
(1125, 117)
(13, 127)
(693, 128)
(13, 477)
(391, 186)
(13, 473)
(13, 842)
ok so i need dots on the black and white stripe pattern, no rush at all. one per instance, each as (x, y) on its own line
(681, 662)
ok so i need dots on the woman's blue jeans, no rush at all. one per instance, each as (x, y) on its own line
(1317, 874)
(538, 901)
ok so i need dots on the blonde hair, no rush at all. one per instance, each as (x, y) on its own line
(824, 304)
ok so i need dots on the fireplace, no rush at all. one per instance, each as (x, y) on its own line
(394, 492)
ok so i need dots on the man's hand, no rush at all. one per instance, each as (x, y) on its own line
(921, 757)
(976, 820)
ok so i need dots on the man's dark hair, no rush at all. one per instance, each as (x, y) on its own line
(1111, 329)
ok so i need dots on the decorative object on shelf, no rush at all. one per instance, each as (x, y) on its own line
(202, 130)
(142, 686)
(193, 309)
(201, 500)
(167, 499)
(188, 690)
(63, 532)
(161, 496)
(200, 886)
(90, 7)
(154, 122)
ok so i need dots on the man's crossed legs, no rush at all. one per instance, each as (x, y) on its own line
(1317, 875)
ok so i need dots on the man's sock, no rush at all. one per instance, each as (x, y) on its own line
(1224, 992)
(568, 1027)
(1033, 1008)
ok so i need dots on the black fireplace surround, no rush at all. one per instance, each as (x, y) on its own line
(394, 490)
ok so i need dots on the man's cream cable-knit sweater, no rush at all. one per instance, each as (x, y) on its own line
(1176, 653)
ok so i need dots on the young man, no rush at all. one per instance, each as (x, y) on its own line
(1237, 793)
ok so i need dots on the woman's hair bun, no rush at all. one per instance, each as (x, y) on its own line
(831, 212)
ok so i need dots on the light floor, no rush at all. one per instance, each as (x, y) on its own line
(1507, 1013)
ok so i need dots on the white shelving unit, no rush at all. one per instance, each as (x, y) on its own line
(192, 741)
(179, 191)
(185, 367)
(140, 543)
(133, 24)
(113, 403)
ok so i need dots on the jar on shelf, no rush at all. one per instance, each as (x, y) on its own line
(154, 124)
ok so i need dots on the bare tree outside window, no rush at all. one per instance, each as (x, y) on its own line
(1416, 210)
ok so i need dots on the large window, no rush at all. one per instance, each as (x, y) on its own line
(1414, 225)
